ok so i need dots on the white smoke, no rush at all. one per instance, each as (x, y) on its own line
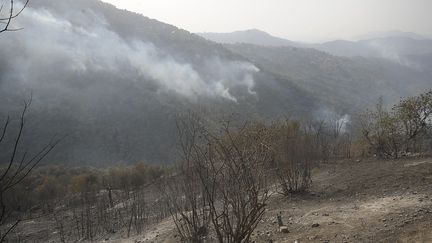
(334, 119)
(343, 123)
(392, 54)
(51, 42)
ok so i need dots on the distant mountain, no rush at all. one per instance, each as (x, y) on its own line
(386, 34)
(345, 48)
(392, 45)
(399, 45)
(341, 81)
(395, 49)
(252, 36)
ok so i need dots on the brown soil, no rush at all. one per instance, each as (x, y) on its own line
(350, 201)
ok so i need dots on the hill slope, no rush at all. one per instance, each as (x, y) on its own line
(344, 82)
(113, 81)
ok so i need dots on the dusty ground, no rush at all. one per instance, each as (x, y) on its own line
(350, 201)
(369, 201)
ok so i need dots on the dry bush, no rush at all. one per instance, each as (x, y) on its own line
(381, 131)
(81, 205)
(295, 150)
(402, 130)
(235, 179)
(183, 190)
(227, 170)
(187, 205)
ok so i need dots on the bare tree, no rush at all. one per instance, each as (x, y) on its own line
(18, 166)
(415, 116)
(231, 168)
(392, 133)
(8, 13)
(378, 129)
(235, 179)
(183, 190)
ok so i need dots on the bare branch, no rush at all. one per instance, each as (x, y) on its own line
(6, 21)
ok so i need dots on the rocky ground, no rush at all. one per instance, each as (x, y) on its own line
(350, 201)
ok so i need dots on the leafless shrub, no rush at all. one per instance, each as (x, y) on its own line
(229, 169)
(183, 190)
(235, 180)
(187, 205)
(18, 167)
(296, 150)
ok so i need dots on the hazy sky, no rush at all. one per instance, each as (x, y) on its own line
(304, 20)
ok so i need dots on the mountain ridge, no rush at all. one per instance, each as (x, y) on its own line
(377, 44)
(250, 36)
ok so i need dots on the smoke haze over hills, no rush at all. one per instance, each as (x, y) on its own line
(114, 81)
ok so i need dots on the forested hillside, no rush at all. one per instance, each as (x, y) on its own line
(345, 82)
(113, 81)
